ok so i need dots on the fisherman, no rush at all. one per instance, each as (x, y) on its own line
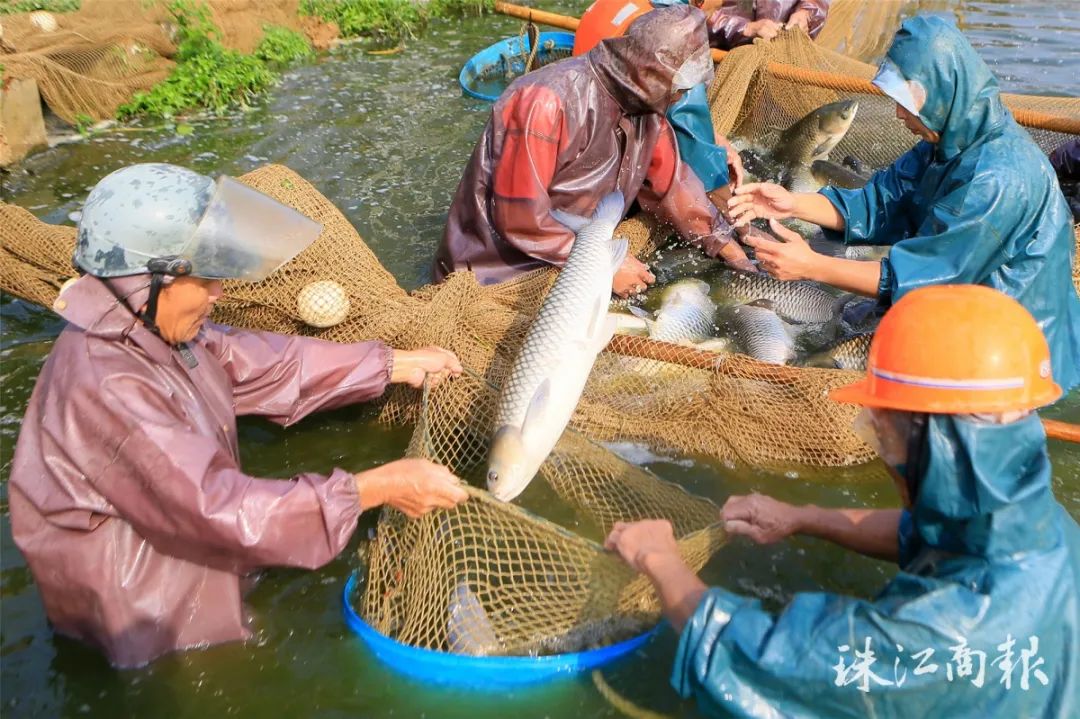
(975, 201)
(568, 134)
(739, 22)
(983, 617)
(127, 496)
(709, 154)
(1066, 163)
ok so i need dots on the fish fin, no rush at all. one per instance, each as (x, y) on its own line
(625, 323)
(763, 304)
(538, 405)
(640, 312)
(609, 209)
(607, 331)
(619, 248)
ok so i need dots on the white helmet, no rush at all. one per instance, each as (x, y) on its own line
(163, 219)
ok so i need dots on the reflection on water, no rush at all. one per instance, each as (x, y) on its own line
(385, 139)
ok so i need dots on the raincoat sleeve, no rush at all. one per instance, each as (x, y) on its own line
(675, 194)
(878, 212)
(726, 25)
(521, 211)
(285, 378)
(736, 659)
(692, 122)
(818, 11)
(183, 490)
(963, 240)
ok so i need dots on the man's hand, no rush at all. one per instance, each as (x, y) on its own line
(413, 486)
(765, 29)
(643, 543)
(633, 277)
(736, 258)
(761, 200)
(733, 160)
(760, 517)
(799, 18)
(791, 259)
(413, 367)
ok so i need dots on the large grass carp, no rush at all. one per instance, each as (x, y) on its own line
(815, 135)
(549, 374)
(762, 334)
(796, 301)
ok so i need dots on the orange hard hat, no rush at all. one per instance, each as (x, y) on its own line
(604, 19)
(955, 349)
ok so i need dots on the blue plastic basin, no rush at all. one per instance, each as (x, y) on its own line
(503, 58)
(488, 673)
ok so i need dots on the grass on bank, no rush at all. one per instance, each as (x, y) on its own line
(210, 76)
(10, 7)
(389, 21)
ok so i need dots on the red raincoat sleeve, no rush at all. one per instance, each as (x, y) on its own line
(285, 378)
(534, 123)
(183, 491)
(726, 25)
(818, 11)
(675, 194)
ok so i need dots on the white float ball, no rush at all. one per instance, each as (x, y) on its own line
(322, 304)
(43, 21)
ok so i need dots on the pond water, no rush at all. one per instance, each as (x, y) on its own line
(385, 138)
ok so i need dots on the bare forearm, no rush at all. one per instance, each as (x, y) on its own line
(816, 208)
(679, 588)
(859, 276)
(872, 532)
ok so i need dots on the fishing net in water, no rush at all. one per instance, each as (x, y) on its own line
(763, 88)
(489, 575)
(89, 62)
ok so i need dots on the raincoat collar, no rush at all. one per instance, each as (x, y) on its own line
(963, 102)
(90, 305)
(985, 488)
(637, 68)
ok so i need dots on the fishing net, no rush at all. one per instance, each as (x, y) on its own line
(97, 58)
(490, 577)
(763, 88)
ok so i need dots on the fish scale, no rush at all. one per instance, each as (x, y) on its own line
(560, 348)
(795, 301)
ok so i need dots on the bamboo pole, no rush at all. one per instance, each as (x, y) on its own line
(832, 81)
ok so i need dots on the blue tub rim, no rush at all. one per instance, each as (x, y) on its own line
(479, 672)
(495, 51)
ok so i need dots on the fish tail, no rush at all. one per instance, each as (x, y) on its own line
(610, 208)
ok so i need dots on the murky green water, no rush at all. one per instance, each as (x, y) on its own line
(385, 139)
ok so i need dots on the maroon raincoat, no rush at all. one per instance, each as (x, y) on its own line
(126, 492)
(566, 135)
(726, 24)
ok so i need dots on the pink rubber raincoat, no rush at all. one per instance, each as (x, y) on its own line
(127, 496)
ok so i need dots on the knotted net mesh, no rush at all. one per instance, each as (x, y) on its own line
(489, 577)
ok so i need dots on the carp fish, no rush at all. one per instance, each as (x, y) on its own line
(795, 301)
(848, 353)
(549, 374)
(685, 315)
(762, 334)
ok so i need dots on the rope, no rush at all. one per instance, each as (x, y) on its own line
(831, 81)
(620, 702)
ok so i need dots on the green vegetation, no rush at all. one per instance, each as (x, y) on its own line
(210, 76)
(8, 7)
(281, 46)
(83, 124)
(388, 21)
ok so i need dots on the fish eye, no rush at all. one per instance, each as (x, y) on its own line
(493, 476)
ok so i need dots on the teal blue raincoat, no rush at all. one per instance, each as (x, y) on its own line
(983, 620)
(691, 119)
(982, 206)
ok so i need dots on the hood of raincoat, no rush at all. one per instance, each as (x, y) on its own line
(637, 68)
(984, 489)
(963, 102)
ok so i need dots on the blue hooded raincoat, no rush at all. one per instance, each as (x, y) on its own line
(982, 206)
(983, 619)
